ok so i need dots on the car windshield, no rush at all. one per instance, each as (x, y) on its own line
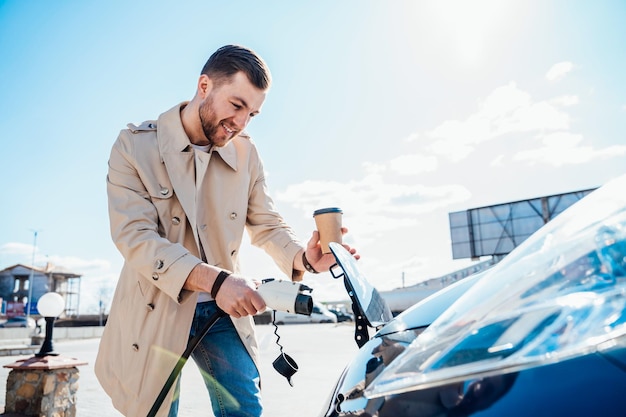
(561, 293)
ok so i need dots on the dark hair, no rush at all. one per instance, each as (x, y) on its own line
(230, 59)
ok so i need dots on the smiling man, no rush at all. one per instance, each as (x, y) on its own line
(226, 107)
(182, 190)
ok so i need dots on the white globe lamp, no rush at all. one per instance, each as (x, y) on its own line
(50, 306)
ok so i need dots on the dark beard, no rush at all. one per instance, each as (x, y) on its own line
(206, 120)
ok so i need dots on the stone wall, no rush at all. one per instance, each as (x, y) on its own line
(42, 393)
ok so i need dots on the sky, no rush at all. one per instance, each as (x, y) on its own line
(399, 112)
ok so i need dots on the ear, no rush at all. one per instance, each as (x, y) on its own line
(205, 85)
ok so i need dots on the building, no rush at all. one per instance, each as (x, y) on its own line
(15, 288)
(400, 299)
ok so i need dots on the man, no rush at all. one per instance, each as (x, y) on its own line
(182, 190)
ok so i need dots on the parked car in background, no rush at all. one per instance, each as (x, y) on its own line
(319, 314)
(342, 315)
(18, 321)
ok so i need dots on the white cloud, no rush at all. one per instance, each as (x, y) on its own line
(375, 204)
(454, 150)
(374, 168)
(78, 265)
(14, 248)
(507, 110)
(564, 148)
(562, 140)
(498, 161)
(413, 164)
(23, 254)
(13, 253)
(504, 100)
(559, 70)
(412, 137)
(565, 101)
(536, 117)
(97, 289)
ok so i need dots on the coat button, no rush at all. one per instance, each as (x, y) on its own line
(233, 216)
(159, 264)
(155, 276)
(164, 191)
(150, 306)
(135, 347)
(175, 221)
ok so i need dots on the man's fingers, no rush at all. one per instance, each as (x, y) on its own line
(315, 239)
(247, 305)
(238, 297)
(258, 303)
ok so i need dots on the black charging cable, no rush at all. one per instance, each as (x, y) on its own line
(193, 343)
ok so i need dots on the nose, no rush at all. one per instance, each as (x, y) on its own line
(241, 120)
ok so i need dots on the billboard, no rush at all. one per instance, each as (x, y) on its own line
(496, 230)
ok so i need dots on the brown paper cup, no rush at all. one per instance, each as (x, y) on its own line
(328, 221)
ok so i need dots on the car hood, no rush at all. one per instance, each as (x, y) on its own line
(423, 313)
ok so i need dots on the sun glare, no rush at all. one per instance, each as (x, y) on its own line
(472, 27)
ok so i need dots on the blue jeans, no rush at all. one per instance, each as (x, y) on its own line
(229, 372)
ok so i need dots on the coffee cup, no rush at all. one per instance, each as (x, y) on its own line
(328, 222)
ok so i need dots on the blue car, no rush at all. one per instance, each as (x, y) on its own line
(542, 333)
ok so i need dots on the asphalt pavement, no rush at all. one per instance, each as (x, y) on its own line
(321, 352)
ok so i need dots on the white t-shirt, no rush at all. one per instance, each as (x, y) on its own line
(200, 154)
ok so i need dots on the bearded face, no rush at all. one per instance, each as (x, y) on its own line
(226, 108)
(217, 131)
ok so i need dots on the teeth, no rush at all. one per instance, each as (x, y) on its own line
(227, 129)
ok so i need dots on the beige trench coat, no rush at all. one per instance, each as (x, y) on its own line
(152, 210)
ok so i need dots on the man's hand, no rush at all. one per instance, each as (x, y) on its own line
(238, 297)
(323, 261)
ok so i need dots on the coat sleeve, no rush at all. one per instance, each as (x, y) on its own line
(266, 226)
(134, 218)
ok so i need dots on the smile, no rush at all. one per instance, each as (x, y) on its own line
(231, 131)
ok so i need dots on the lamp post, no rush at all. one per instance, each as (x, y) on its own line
(46, 384)
(30, 278)
(50, 306)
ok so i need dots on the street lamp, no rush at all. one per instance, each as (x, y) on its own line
(50, 306)
(30, 278)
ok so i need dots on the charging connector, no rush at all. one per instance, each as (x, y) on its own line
(287, 296)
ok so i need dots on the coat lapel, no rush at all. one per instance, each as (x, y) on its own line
(178, 157)
(229, 154)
